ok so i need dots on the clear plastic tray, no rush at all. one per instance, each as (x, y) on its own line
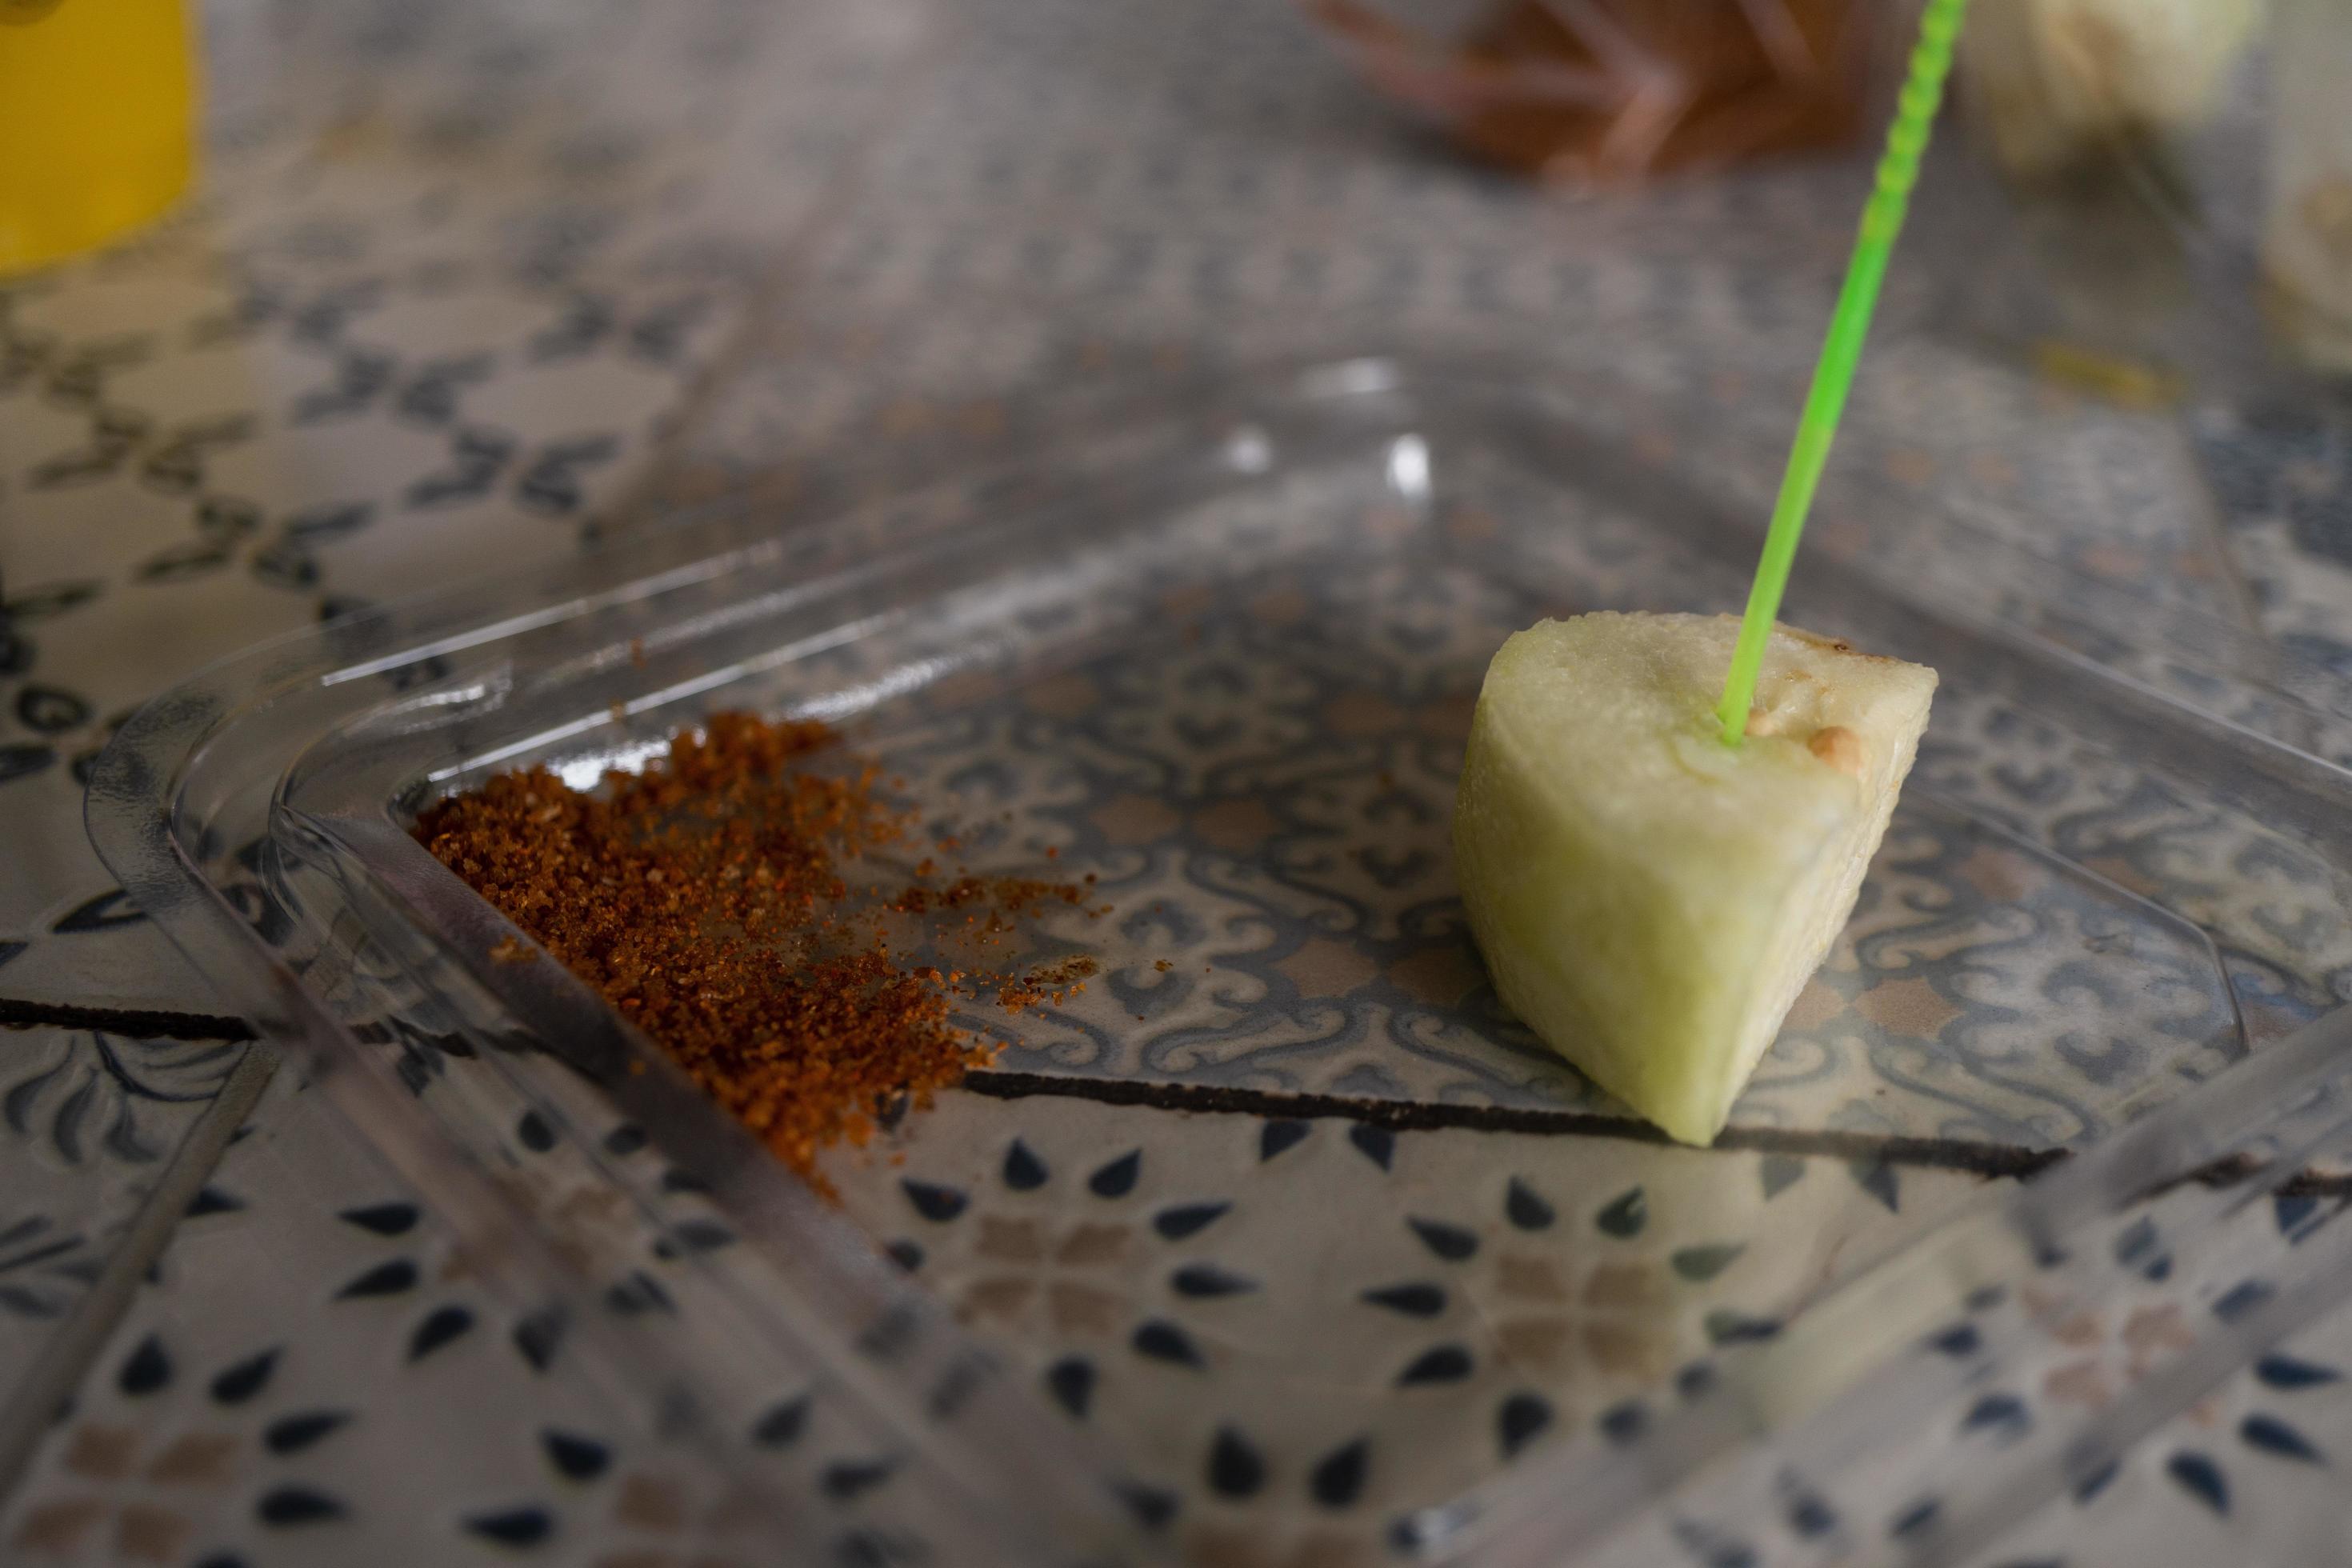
(1221, 652)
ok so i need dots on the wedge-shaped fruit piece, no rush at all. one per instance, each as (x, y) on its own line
(1649, 899)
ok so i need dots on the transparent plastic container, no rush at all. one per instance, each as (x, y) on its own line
(1218, 647)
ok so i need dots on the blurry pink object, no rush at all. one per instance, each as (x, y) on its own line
(1603, 92)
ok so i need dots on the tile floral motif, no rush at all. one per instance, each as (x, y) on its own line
(1300, 1329)
(214, 1429)
(2021, 1410)
(78, 1097)
(88, 1122)
(2248, 1472)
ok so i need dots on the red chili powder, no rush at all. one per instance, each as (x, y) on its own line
(710, 898)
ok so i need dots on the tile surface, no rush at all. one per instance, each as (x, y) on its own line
(90, 1122)
(471, 284)
(1300, 1331)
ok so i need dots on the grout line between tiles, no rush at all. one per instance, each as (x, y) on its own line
(1994, 1160)
(16, 1012)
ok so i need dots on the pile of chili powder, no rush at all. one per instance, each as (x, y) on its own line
(715, 900)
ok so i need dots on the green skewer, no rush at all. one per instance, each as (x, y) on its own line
(1882, 220)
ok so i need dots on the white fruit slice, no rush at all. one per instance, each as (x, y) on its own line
(1648, 900)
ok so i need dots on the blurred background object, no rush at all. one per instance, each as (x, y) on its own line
(2113, 200)
(1603, 92)
(2060, 83)
(2100, 223)
(2306, 245)
(99, 98)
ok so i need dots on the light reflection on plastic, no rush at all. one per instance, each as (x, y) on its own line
(476, 691)
(1248, 450)
(713, 681)
(912, 675)
(585, 773)
(1409, 467)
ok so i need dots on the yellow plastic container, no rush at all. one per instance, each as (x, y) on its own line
(96, 121)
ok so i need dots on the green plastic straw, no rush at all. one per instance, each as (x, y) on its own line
(1882, 220)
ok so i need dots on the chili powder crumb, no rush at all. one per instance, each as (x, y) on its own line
(708, 898)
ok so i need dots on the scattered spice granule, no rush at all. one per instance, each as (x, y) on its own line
(705, 900)
(1055, 983)
(1163, 965)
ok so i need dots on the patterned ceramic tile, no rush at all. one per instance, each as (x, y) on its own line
(260, 1402)
(2247, 1474)
(2284, 476)
(74, 940)
(1145, 1267)
(2000, 1426)
(1300, 1329)
(91, 1123)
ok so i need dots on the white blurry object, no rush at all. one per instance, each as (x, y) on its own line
(2307, 226)
(2057, 82)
